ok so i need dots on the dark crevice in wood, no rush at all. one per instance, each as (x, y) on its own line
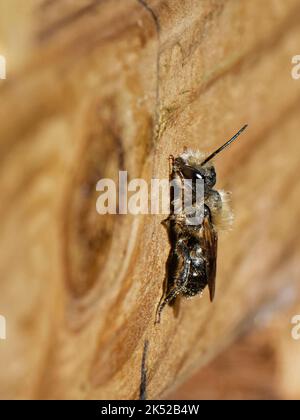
(143, 385)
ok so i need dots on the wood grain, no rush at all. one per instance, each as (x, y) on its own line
(101, 86)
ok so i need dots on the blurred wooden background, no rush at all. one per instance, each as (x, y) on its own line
(94, 87)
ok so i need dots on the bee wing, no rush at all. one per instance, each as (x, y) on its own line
(210, 246)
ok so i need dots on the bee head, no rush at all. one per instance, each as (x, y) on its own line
(193, 171)
(192, 166)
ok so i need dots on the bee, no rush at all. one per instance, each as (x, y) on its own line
(191, 265)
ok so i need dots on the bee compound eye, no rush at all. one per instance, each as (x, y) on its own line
(191, 173)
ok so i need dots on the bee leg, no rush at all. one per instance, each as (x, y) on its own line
(172, 295)
(180, 282)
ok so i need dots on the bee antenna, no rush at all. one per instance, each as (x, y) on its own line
(224, 145)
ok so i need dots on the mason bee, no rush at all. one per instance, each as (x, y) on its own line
(191, 265)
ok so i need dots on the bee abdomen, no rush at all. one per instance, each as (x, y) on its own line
(197, 280)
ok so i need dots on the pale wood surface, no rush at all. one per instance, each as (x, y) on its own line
(262, 364)
(97, 86)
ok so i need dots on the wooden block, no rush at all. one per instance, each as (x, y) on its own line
(106, 86)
